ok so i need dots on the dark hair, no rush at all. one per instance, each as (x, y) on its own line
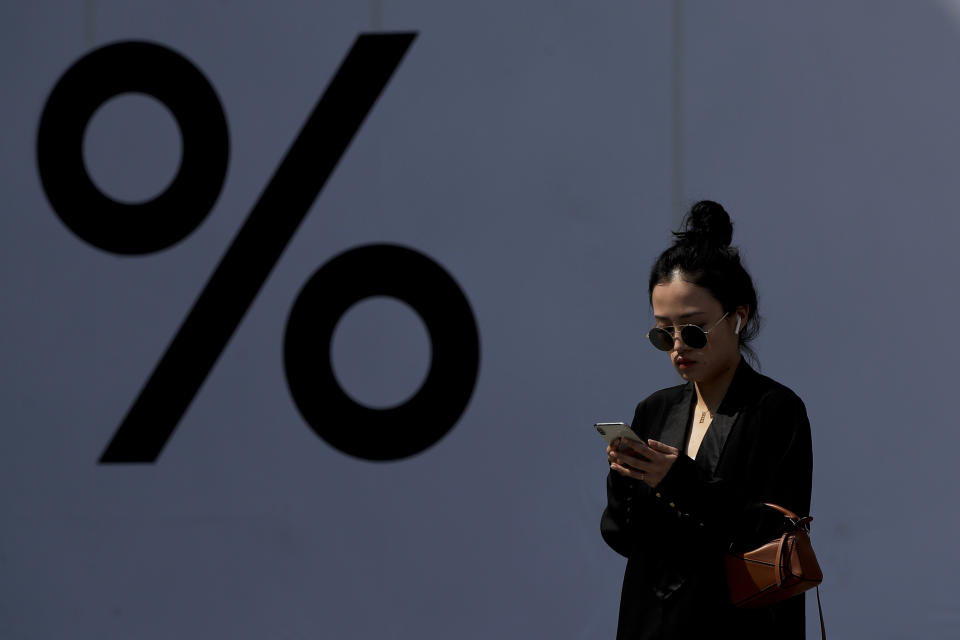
(701, 252)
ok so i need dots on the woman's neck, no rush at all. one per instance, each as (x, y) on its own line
(710, 393)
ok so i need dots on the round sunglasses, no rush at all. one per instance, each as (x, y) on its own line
(693, 336)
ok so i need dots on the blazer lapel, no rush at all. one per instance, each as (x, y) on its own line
(708, 456)
(711, 449)
(675, 427)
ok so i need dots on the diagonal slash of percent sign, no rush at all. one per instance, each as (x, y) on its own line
(353, 275)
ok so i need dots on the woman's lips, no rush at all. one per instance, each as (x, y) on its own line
(683, 363)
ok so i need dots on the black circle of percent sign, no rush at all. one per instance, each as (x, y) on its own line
(132, 67)
(421, 421)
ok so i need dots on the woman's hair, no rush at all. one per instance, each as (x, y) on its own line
(702, 255)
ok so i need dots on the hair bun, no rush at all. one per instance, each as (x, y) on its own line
(707, 222)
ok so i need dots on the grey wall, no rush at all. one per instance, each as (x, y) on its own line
(533, 152)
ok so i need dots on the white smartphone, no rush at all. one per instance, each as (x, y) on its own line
(613, 430)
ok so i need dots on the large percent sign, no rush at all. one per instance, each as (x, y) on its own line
(356, 274)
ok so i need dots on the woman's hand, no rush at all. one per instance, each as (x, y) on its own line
(646, 462)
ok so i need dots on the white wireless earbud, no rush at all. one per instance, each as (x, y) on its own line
(737, 330)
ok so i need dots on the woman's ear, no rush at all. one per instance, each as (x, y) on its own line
(743, 312)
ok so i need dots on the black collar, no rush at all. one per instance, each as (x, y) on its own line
(676, 428)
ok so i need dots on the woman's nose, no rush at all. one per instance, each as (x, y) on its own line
(677, 341)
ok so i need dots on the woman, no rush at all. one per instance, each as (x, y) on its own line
(728, 438)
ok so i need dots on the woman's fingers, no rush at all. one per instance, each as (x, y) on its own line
(628, 472)
(662, 448)
(647, 461)
(619, 468)
(634, 447)
(636, 462)
(641, 449)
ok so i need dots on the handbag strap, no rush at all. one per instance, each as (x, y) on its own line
(795, 520)
(783, 510)
(779, 558)
(823, 629)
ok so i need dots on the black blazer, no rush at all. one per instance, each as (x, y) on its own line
(757, 449)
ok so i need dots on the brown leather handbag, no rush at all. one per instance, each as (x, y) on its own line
(776, 570)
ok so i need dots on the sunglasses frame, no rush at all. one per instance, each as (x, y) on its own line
(678, 330)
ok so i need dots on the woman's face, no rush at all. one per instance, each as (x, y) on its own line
(678, 302)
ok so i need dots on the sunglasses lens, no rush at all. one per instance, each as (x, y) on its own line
(661, 338)
(693, 337)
